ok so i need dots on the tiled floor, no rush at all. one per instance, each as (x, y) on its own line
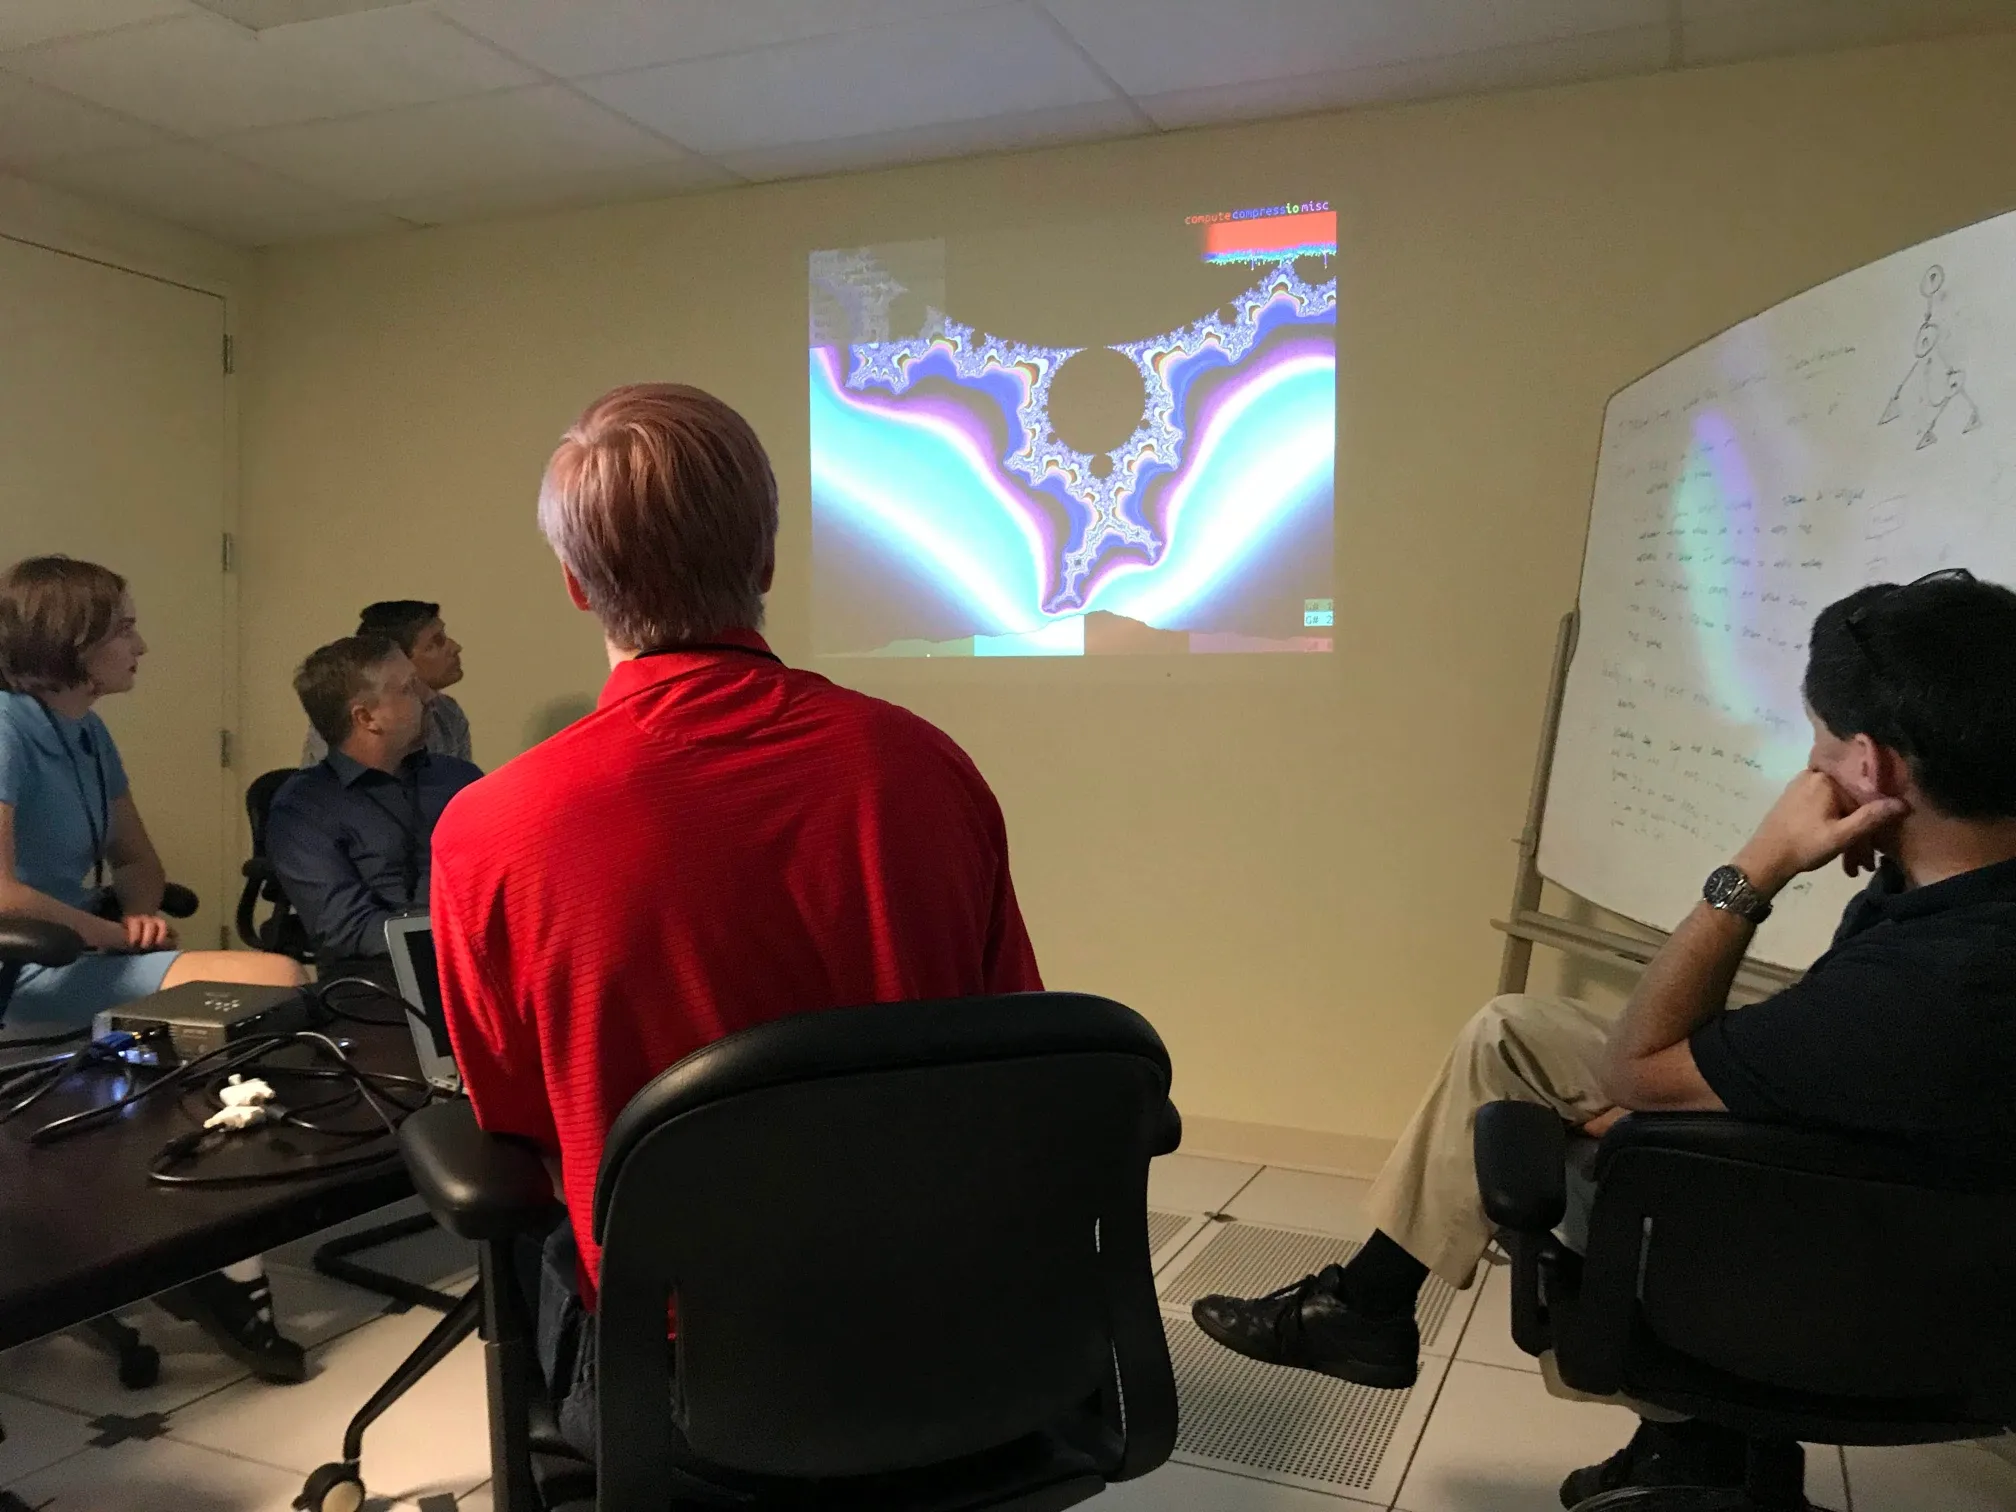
(1484, 1435)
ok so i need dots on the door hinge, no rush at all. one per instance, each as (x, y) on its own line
(230, 552)
(230, 354)
(224, 748)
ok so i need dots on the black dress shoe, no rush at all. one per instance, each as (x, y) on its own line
(1309, 1326)
(1664, 1454)
(238, 1316)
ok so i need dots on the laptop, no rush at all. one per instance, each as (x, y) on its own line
(419, 978)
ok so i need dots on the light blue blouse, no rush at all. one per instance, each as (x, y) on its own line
(61, 776)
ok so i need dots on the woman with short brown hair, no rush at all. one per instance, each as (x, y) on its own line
(72, 842)
(70, 834)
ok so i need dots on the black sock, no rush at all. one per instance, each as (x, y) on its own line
(1382, 1280)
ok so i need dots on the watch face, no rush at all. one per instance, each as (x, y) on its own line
(1725, 885)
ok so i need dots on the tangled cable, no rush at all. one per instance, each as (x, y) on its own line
(311, 1097)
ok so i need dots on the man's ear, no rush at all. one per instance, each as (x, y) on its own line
(769, 567)
(575, 592)
(1889, 770)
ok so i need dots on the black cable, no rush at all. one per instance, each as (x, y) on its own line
(385, 1094)
(23, 1073)
(189, 1146)
(230, 1057)
(43, 1041)
(372, 1088)
(321, 994)
(51, 1071)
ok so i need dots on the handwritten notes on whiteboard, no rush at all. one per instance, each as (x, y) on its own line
(1864, 431)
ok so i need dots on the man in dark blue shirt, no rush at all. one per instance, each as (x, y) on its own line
(350, 836)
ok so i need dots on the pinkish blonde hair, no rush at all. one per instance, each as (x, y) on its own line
(662, 503)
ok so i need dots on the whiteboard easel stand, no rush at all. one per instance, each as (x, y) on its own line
(1528, 925)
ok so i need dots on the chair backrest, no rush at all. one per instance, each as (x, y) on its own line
(281, 931)
(259, 798)
(1818, 1264)
(894, 1236)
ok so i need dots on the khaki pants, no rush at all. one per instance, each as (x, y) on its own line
(1531, 1049)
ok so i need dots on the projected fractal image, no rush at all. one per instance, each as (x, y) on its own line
(951, 517)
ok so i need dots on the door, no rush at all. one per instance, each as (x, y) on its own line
(112, 448)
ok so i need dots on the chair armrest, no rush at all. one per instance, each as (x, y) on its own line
(478, 1186)
(37, 942)
(1521, 1151)
(177, 901)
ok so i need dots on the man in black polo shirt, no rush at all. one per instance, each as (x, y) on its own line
(350, 836)
(1905, 1028)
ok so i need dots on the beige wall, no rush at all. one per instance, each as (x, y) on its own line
(1290, 870)
(48, 217)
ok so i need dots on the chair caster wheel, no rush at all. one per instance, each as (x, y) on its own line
(333, 1488)
(139, 1367)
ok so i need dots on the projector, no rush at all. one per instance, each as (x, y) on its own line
(200, 1017)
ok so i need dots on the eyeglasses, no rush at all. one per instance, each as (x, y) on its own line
(1857, 623)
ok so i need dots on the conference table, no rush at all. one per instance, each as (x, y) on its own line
(83, 1230)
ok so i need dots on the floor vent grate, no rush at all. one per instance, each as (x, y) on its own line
(1162, 1227)
(1291, 1423)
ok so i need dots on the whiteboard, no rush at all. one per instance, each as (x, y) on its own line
(1861, 432)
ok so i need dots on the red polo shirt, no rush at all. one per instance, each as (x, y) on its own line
(724, 841)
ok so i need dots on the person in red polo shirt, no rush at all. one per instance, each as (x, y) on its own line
(724, 841)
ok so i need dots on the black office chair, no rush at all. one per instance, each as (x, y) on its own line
(907, 1247)
(1789, 1284)
(28, 942)
(281, 931)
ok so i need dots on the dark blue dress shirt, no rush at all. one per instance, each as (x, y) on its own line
(352, 844)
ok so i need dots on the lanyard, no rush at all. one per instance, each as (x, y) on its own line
(769, 656)
(100, 823)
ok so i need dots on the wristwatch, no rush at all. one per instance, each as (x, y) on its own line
(1729, 890)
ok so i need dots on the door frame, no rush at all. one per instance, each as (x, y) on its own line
(50, 222)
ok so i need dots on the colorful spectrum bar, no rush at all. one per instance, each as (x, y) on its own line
(1271, 239)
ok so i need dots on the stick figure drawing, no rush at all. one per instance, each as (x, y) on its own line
(1933, 384)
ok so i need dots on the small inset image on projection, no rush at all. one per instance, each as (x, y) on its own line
(1110, 440)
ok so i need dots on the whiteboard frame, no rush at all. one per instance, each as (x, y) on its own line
(1527, 924)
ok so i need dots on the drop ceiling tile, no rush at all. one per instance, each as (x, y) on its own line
(1570, 60)
(23, 22)
(1097, 121)
(1161, 46)
(547, 131)
(203, 189)
(39, 125)
(562, 192)
(999, 61)
(1722, 31)
(203, 76)
(605, 36)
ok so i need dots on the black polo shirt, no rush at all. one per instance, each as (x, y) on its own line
(1905, 1027)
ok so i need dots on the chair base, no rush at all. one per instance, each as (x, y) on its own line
(332, 1260)
(1687, 1499)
